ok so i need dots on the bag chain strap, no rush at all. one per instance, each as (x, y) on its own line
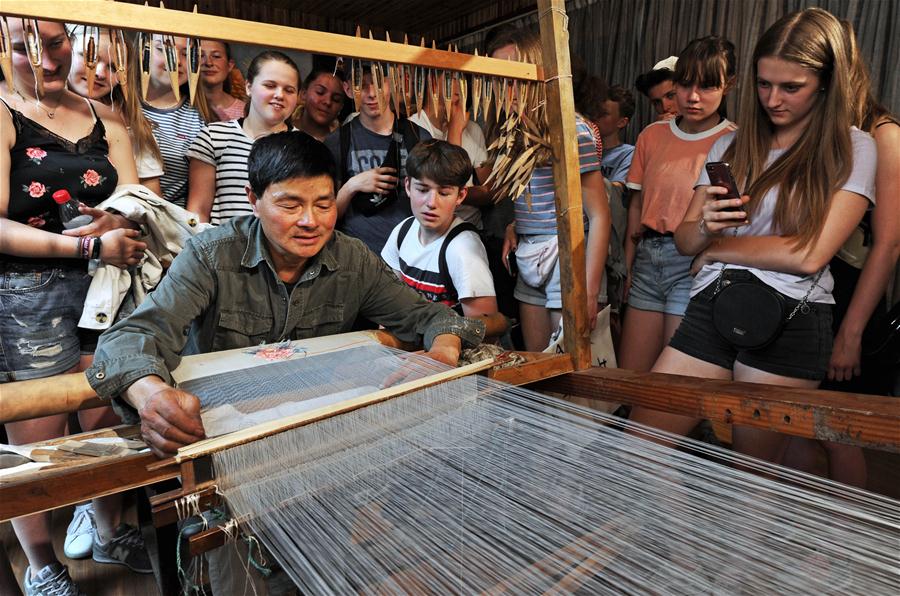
(802, 306)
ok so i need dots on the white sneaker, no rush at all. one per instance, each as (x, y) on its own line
(80, 533)
(52, 580)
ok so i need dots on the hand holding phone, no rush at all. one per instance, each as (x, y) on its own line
(719, 173)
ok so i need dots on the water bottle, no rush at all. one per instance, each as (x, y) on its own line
(68, 211)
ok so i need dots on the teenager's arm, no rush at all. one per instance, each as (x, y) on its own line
(780, 253)
(479, 305)
(201, 188)
(881, 260)
(596, 205)
(632, 228)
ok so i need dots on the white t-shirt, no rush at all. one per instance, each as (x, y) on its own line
(225, 146)
(466, 257)
(861, 181)
(474, 144)
(147, 164)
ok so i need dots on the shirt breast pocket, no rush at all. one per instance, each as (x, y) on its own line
(325, 319)
(241, 329)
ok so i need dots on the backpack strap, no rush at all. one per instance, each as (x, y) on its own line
(344, 152)
(404, 230)
(442, 256)
(410, 134)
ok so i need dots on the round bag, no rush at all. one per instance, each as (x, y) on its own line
(748, 315)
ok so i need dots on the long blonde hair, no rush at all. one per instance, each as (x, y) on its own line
(820, 161)
(141, 127)
(867, 112)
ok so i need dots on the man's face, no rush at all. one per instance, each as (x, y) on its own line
(663, 98)
(297, 217)
(433, 204)
(370, 107)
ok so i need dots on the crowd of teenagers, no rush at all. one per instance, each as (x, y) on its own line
(291, 217)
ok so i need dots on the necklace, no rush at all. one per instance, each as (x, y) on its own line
(50, 113)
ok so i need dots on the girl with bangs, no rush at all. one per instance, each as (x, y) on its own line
(668, 157)
(761, 300)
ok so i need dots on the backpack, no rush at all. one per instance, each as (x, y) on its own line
(371, 203)
(443, 271)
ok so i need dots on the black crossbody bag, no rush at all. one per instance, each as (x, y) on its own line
(751, 315)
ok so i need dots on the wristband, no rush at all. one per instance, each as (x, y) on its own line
(85, 247)
(95, 251)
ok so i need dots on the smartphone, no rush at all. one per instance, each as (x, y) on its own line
(511, 265)
(720, 175)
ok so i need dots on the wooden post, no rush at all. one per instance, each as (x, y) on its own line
(567, 178)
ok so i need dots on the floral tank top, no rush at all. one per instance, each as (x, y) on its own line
(42, 163)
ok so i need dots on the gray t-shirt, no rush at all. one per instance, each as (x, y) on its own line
(368, 150)
(861, 182)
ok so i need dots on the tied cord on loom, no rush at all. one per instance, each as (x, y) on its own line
(191, 503)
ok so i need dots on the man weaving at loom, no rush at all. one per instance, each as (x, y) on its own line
(280, 274)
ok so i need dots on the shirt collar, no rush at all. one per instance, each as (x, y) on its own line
(258, 250)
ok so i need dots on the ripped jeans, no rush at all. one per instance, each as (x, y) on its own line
(39, 313)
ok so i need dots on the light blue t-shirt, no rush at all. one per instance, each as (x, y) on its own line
(616, 162)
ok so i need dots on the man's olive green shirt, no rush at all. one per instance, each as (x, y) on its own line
(222, 292)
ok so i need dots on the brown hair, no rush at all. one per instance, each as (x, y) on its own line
(808, 173)
(440, 162)
(707, 62)
(867, 112)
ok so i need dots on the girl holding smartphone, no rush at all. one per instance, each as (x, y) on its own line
(807, 178)
(667, 159)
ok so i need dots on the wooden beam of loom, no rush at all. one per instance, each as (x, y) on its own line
(120, 15)
(865, 420)
(566, 178)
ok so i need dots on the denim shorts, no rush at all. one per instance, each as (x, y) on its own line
(802, 351)
(39, 313)
(660, 277)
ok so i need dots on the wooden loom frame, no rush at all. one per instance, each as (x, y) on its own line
(862, 420)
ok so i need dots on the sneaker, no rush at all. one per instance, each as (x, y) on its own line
(80, 533)
(52, 580)
(125, 548)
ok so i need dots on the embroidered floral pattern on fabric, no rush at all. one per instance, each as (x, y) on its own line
(92, 178)
(35, 154)
(276, 352)
(35, 190)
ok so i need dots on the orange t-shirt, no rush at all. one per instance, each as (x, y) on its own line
(665, 168)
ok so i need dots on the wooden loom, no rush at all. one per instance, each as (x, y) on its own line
(861, 420)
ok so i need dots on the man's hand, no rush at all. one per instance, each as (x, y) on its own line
(170, 418)
(445, 348)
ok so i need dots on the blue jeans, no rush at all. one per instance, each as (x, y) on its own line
(39, 313)
(660, 277)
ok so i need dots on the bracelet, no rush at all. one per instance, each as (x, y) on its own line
(95, 251)
(85, 247)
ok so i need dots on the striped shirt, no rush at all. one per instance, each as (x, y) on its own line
(174, 130)
(540, 216)
(225, 146)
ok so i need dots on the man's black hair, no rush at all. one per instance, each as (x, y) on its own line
(650, 79)
(286, 155)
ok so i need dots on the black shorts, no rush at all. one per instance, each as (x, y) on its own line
(802, 351)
